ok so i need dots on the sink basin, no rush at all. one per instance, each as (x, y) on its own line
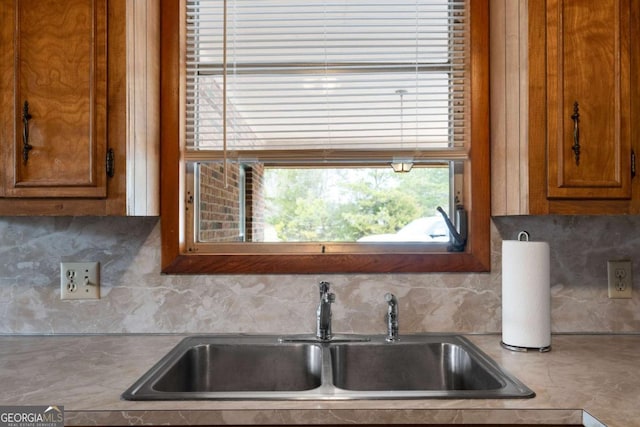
(231, 367)
(409, 366)
(236, 367)
(241, 367)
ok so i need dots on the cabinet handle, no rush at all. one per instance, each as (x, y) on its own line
(26, 147)
(576, 132)
(109, 164)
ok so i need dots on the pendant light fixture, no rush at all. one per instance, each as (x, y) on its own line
(401, 165)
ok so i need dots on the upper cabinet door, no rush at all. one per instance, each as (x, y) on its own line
(57, 86)
(588, 99)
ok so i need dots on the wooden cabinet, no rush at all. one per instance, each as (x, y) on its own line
(79, 99)
(570, 148)
(57, 99)
(588, 99)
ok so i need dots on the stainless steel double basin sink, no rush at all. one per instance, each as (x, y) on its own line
(244, 367)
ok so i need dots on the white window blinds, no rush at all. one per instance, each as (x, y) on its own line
(330, 76)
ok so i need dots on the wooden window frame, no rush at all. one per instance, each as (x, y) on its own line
(176, 259)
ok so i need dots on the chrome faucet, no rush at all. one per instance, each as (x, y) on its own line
(392, 317)
(323, 330)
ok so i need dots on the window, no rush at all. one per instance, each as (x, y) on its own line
(282, 91)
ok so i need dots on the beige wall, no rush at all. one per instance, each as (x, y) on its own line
(137, 298)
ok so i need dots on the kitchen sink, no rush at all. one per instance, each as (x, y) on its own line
(237, 367)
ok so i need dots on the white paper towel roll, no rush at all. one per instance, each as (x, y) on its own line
(526, 295)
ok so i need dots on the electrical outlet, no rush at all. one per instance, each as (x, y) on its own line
(79, 280)
(620, 279)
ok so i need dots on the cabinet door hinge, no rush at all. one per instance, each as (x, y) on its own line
(633, 164)
(110, 163)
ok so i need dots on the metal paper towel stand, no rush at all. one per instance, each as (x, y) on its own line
(523, 236)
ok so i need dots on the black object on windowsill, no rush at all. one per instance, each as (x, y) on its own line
(458, 239)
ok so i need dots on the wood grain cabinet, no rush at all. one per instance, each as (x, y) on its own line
(79, 99)
(588, 99)
(578, 95)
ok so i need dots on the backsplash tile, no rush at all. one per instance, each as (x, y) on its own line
(137, 298)
(580, 247)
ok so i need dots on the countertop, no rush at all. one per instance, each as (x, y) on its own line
(591, 379)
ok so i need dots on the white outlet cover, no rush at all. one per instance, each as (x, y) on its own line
(620, 279)
(79, 280)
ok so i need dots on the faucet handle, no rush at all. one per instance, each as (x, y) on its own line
(391, 317)
(330, 297)
(324, 288)
(390, 299)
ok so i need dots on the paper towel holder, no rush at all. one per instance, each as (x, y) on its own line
(525, 349)
(523, 236)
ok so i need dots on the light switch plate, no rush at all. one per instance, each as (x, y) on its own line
(79, 280)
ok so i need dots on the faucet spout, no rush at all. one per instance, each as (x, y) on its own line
(392, 317)
(323, 314)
